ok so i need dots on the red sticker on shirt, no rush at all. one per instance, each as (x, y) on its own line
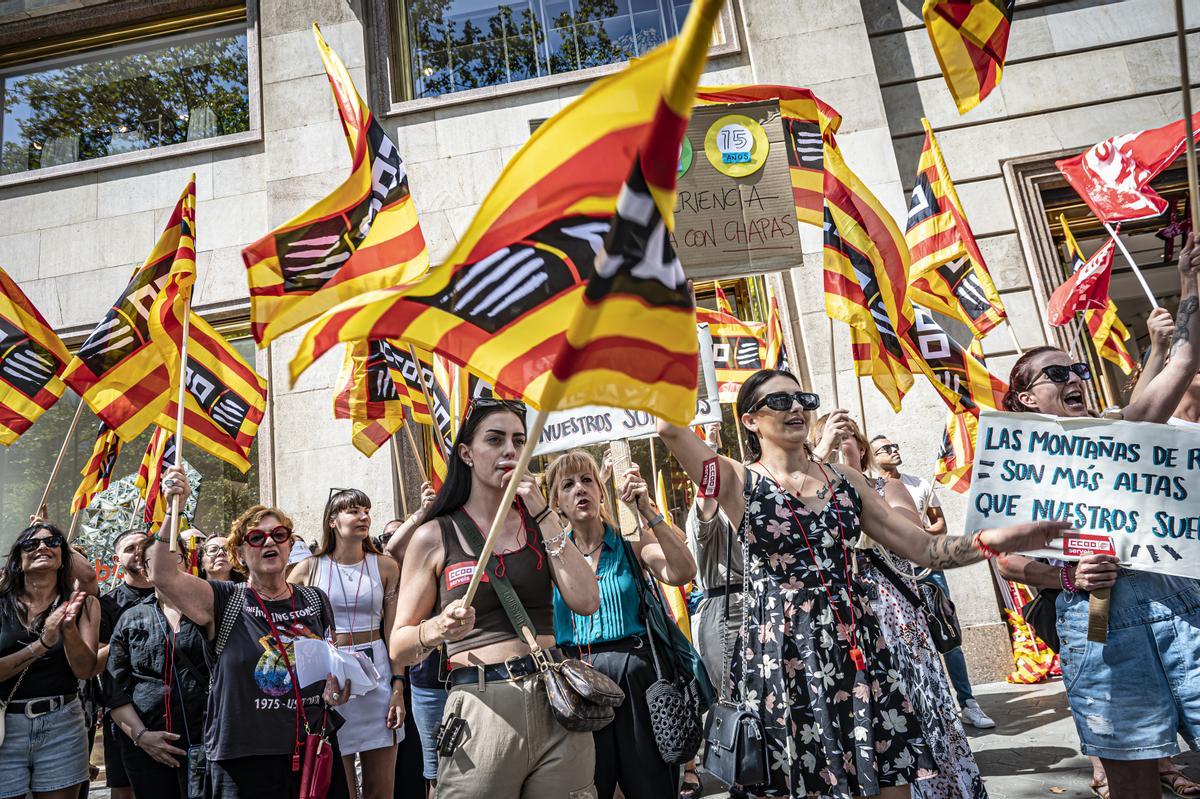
(460, 574)
(1077, 545)
(710, 478)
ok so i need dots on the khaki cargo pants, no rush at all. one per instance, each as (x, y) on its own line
(513, 748)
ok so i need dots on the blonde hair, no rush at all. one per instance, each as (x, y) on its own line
(242, 524)
(867, 463)
(577, 461)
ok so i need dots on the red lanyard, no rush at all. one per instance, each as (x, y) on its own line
(301, 719)
(856, 654)
(523, 537)
(333, 564)
(168, 678)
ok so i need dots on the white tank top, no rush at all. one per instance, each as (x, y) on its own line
(356, 592)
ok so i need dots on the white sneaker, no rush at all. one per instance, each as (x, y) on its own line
(973, 714)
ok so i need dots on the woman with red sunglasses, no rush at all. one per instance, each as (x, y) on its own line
(258, 715)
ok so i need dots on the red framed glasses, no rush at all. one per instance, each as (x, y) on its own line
(258, 538)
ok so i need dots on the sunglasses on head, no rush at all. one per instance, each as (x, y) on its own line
(892, 448)
(52, 541)
(1058, 373)
(258, 538)
(516, 406)
(784, 400)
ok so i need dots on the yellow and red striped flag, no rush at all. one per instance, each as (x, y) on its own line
(564, 290)
(947, 273)
(959, 374)
(776, 350)
(119, 371)
(970, 40)
(445, 424)
(866, 277)
(32, 361)
(363, 236)
(739, 350)
(98, 471)
(722, 301)
(368, 395)
(807, 121)
(957, 453)
(159, 456)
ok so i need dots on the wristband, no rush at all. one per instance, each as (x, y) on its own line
(397, 677)
(1068, 584)
(538, 519)
(657, 520)
(983, 548)
(421, 638)
(45, 645)
(138, 737)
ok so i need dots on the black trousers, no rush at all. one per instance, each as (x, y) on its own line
(626, 754)
(151, 779)
(266, 777)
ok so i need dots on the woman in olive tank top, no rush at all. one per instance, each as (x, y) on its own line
(511, 745)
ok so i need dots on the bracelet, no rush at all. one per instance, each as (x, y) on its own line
(542, 516)
(983, 548)
(1065, 578)
(138, 737)
(400, 677)
(421, 638)
(657, 520)
(45, 645)
(558, 542)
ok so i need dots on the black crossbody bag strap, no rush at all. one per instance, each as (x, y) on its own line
(509, 600)
(895, 579)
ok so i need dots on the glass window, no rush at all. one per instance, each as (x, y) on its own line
(466, 44)
(125, 98)
(224, 492)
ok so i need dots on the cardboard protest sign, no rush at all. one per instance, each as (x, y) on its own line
(593, 424)
(1129, 488)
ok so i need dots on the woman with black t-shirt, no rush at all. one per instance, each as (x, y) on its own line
(511, 745)
(156, 687)
(255, 728)
(47, 645)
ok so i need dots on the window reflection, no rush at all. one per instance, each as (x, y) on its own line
(125, 99)
(467, 44)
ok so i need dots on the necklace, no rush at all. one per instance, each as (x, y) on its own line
(287, 590)
(822, 488)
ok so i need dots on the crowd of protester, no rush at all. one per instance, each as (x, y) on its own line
(814, 555)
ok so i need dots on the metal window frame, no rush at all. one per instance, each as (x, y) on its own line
(389, 61)
(140, 33)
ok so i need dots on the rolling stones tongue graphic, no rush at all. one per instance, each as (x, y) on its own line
(271, 672)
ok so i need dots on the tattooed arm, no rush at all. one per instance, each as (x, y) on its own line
(899, 533)
(1161, 396)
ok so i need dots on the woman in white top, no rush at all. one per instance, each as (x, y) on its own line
(361, 586)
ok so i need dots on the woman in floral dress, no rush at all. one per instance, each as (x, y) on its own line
(904, 627)
(813, 662)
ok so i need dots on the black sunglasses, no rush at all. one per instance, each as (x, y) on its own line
(516, 406)
(1061, 374)
(53, 541)
(784, 400)
(892, 448)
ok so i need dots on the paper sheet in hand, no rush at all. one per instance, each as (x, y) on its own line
(316, 658)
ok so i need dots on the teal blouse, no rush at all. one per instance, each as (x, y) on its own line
(617, 617)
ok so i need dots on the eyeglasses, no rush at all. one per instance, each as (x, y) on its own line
(783, 401)
(214, 549)
(1057, 373)
(258, 538)
(53, 541)
(516, 406)
(894, 449)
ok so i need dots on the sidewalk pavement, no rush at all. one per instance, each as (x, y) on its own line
(1033, 752)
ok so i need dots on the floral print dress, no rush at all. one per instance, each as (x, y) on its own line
(831, 730)
(907, 635)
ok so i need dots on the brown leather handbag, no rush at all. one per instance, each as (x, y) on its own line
(582, 698)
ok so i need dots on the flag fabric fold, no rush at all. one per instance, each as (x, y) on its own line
(959, 374)
(564, 290)
(739, 350)
(970, 40)
(947, 273)
(32, 362)
(1087, 286)
(119, 370)
(363, 236)
(369, 396)
(776, 349)
(98, 471)
(1113, 176)
(159, 456)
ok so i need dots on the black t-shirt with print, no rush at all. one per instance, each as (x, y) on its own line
(252, 707)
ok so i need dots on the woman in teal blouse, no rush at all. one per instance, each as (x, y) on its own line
(613, 638)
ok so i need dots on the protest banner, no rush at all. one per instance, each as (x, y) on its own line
(594, 424)
(1128, 488)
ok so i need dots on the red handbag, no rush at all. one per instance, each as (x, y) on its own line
(318, 765)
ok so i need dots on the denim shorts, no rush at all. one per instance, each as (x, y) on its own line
(47, 753)
(428, 704)
(1133, 696)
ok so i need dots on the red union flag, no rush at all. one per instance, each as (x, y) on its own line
(1113, 177)
(1087, 287)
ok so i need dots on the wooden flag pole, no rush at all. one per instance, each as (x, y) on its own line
(510, 493)
(437, 436)
(737, 429)
(399, 470)
(1185, 80)
(1012, 334)
(1078, 338)
(1133, 264)
(837, 403)
(62, 453)
(862, 407)
(74, 524)
(180, 399)
(412, 443)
